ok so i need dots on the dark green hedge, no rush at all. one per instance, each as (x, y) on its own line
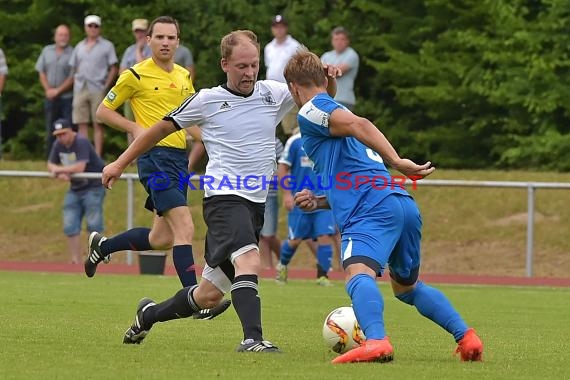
(464, 83)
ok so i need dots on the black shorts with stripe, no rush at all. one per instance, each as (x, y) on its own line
(233, 222)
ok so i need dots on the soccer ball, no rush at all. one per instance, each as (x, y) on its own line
(341, 331)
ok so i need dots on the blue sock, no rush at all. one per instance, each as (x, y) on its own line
(434, 305)
(287, 253)
(184, 264)
(368, 305)
(135, 239)
(324, 257)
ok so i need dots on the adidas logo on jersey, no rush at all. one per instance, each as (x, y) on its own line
(225, 106)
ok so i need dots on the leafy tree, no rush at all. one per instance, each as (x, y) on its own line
(464, 83)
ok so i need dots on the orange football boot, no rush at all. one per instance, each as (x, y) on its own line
(470, 347)
(372, 350)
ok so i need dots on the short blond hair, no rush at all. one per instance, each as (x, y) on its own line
(305, 69)
(230, 40)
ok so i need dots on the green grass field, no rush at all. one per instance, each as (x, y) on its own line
(62, 326)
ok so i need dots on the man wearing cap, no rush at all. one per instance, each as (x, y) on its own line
(139, 50)
(94, 63)
(70, 154)
(57, 80)
(276, 55)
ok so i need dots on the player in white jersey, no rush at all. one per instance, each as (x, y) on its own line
(238, 121)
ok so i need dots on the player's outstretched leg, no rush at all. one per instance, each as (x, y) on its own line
(368, 307)
(100, 247)
(181, 305)
(140, 328)
(434, 305)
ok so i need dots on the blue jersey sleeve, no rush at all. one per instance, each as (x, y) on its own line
(314, 116)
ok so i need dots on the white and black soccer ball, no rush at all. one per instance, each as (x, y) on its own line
(341, 331)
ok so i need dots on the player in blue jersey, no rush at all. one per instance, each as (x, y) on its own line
(296, 173)
(380, 225)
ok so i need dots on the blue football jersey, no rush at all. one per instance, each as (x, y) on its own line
(300, 167)
(358, 177)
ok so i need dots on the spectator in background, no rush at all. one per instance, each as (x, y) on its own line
(57, 80)
(268, 240)
(94, 63)
(138, 51)
(184, 58)
(276, 56)
(134, 54)
(347, 60)
(72, 153)
(3, 71)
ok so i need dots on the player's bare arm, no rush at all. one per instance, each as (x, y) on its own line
(115, 120)
(344, 123)
(282, 172)
(194, 132)
(331, 72)
(141, 144)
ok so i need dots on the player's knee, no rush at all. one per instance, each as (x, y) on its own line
(360, 265)
(207, 297)
(406, 293)
(247, 263)
(160, 241)
(184, 232)
(212, 299)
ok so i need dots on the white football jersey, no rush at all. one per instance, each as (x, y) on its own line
(238, 132)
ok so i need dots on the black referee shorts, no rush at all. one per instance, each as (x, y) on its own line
(233, 223)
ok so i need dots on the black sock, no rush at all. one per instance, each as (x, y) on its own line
(248, 305)
(181, 305)
(184, 264)
(135, 239)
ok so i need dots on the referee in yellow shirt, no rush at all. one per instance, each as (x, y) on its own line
(155, 87)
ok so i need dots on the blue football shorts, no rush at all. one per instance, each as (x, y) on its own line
(310, 225)
(387, 234)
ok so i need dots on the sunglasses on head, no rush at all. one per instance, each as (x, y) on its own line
(92, 26)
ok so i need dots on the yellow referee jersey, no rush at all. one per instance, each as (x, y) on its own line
(153, 93)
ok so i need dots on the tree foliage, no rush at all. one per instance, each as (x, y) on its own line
(464, 83)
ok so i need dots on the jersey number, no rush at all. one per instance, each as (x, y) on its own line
(374, 156)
